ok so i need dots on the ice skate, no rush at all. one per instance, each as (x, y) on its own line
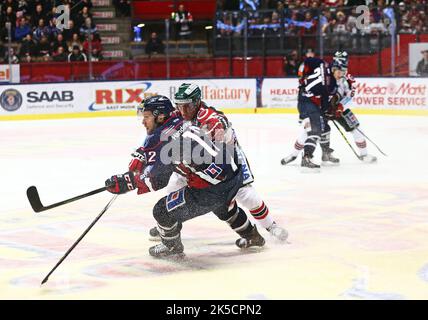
(254, 239)
(154, 234)
(163, 251)
(328, 159)
(308, 166)
(278, 232)
(288, 159)
(368, 158)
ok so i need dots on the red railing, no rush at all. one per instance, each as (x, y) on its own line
(155, 68)
(155, 10)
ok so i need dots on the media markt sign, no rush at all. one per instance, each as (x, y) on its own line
(6, 74)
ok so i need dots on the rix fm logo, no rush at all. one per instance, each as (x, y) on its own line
(121, 96)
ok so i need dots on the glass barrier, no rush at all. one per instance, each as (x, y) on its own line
(260, 43)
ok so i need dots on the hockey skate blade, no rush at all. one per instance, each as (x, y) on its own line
(310, 170)
(174, 258)
(369, 160)
(330, 164)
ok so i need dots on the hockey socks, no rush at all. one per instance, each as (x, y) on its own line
(261, 214)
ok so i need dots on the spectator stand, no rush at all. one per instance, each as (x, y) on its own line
(165, 19)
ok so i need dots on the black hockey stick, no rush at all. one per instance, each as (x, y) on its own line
(80, 238)
(346, 139)
(372, 142)
(36, 204)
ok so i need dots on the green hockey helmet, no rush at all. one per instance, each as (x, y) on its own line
(188, 94)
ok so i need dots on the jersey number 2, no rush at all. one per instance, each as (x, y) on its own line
(152, 155)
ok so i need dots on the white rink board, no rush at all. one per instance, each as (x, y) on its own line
(125, 95)
(357, 231)
(371, 93)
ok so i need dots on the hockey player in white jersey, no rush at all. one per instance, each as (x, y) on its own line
(342, 114)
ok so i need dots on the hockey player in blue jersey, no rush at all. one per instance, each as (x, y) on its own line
(339, 111)
(317, 85)
(211, 184)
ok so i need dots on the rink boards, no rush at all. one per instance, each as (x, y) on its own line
(393, 96)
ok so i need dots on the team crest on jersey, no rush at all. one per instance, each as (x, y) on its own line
(175, 199)
(213, 170)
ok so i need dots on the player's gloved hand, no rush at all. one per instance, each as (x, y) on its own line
(350, 79)
(339, 111)
(138, 161)
(121, 183)
(140, 184)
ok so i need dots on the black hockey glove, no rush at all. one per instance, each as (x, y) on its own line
(121, 183)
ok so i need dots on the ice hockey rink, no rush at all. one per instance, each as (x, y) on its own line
(357, 231)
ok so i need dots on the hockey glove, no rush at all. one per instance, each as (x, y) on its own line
(339, 111)
(350, 79)
(138, 161)
(121, 183)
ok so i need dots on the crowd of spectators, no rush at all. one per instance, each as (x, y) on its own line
(337, 19)
(38, 36)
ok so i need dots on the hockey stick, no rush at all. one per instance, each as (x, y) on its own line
(36, 204)
(80, 238)
(371, 142)
(346, 139)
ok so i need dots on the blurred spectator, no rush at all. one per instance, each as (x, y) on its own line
(14, 58)
(88, 27)
(9, 3)
(276, 23)
(422, 67)
(340, 32)
(183, 23)
(46, 58)
(95, 44)
(340, 25)
(59, 54)
(80, 19)
(22, 30)
(58, 42)
(97, 55)
(28, 46)
(27, 58)
(154, 45)
(37, 15)
(8, 16)
(72, 29)
(309, 34)
(44, 46)
(373, 32)
(41, 30)
(53, 30)
(123, 8)
(249, 5)
(76, 55)
(291, 64)
(75, 41)
(80, 4)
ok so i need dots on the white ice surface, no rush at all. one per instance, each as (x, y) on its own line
(356, 231)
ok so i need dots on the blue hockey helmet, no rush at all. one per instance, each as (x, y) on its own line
(157, 105)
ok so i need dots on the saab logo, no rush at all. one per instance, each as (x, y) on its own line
(34, 96)
(11, 100)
